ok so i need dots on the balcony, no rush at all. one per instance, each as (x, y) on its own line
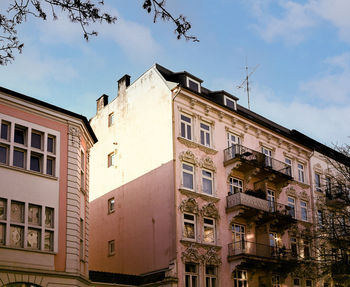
(250, 161)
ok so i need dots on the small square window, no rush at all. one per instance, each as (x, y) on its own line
(49, 217)
(110, 119)
(5, 131)
(193, 85)
(35, 162)
(48, 243)
(20, 135)
(16, 236)
(51, 144)
(34, 214)
(19, 158)
(36, 140)
(4, 152)
(50, 166)
(33, 238)
(308, 283)
(111, 247)
(296, 282)
(229, 103)
(111, 205)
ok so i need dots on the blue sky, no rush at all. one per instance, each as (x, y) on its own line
(302, 49)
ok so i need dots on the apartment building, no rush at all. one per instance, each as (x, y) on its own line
(44, 193)
(188, 183)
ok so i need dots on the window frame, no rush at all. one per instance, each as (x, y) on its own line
(111, 247)
(111, 119)
(8, 132)
(233, 187)
(304, 208)
(186, 126)
(209, 277)
(289, 162)
(301, 172)
(226, 98)
(291, 204)
(212, 226)
(191, 275)
(188, 172)
(189, 222)
(111, 159)
(240, 280)
(188, 80)
(207, 134)
(111, 205)
(268, 155)
(208, 179)
(317, 182)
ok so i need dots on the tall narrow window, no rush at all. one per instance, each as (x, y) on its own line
(81, 239)
(236, 185)
(205, 132)
(82, 170)
(306, 249)
(5, 131)
(191, 275)
(187, 176)
(328, 185)
(4, 152)
(303, 210)
(189, 229)
(207, 181)
(110, 119)
(288, 162)
(238, 237)
(51, 144)
(111, 159)
(320, 218)
(301, 176)
(36, 162)
(271, 200)
(50, 166)
(186, 127)
(209, 230)
(318, 182)
(20, 135)
(268, 156)
(19, 158)
(276, 282)
(291, 205)
(111, 205)
(111, 247)
(36, 140)
(210, 276)
(240, 278)
(294, 247)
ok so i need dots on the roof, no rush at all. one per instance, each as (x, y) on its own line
(51, 107)
(248, 114)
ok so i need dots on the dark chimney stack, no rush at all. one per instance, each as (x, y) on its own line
(101, 102)
(123, 83)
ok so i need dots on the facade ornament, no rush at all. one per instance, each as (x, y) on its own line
(211, 258)
(291, 191)
(207, 150)
(234, 121)
(221, 116)
(246, 127)
(189, 205)
(188, 156)
(289, 147)
(304, 196)
(192, 102)
(191, 254)
(187, 142)
(279, 142)
(269, 138)
(258, 133)
(207, 109)
(208, 163)
(210, 210)
(74, 131)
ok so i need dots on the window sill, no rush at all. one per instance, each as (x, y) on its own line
(188, 242)
(28, 171)
(111, 254)
(111, 211)
(302, 184)
(204, 196)
(28, 250)
(192, 144)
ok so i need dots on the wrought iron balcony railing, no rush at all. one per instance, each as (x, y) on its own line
(249, 248)
(258, 158)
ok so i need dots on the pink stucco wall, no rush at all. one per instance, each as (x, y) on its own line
(142, 225)
(60, 257)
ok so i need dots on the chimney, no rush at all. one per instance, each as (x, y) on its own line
(123, 83)
(101, 102)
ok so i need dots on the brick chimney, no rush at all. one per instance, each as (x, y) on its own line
(123, 83)
(101, 102)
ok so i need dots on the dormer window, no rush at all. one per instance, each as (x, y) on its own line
(230, 102)
(193, 85)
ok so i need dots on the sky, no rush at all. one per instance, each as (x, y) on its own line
(301, 50)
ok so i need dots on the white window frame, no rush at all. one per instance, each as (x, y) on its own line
(303, 207)
(189, 221)
(301, 172)
(186, 124)
(291, 204)
(188, 79)
(318, 182)
(209, 179)
(206, 133)
(210, 226)
(238, 234)
(192, 274)
(268, 155)
(226, 98)
(240, 278)
(210, 278)
(235, 185)
(230, 141)
(289, 162)
(191, 173)
(271, 199)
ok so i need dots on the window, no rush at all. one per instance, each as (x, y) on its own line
(193, 85)
(296, 282)
(49, 225)
(276, 282)
(303, 210)
(36, 141)
(82, 170)
(308, 283)
(306, 249)
(236, 185)
(34, 214)
(19, 158)
(288, 162)
(273, 237)
(232, 139)
(328, 185)
(5, 131)
(36, 162)
(4, 152)
(301, 177)
(191, 275)
(50, 166)
(271, 200)
(230, 103)
(320, 218)
(33, 238)
(110, 119)
(81, 239)
(186, 127)
(17, 212)
(51, 144)
(111, 247)
(318, 182)
(189, 231)
(205, 134)
(3, 211)
(187, 176)
(20, 135)
(207, 181)
(111, 159)
(209, 234)
(240, 278)
(294, 247)
(238, 237)
(291, 205)
(111, 205)
(49, 217)
(210, 276)
(268, 156)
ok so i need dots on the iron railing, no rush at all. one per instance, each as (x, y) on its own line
(258, 158)
(260, 250)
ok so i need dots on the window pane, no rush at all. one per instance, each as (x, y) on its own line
(186, 119)
(49, 166)
(16, 236)
(3, 154)
(183, 130)
(34, 214)
(189, 230)
(36, 140)
(48, 244)
(208, 234)
(189, 133)
(207, 186)
(50, 144)
(3, 209)
(19, 136)
(33, 238)
(193, 85)
(49, 217)
(4, 131)
(35, 163)
(18, 158)
(2, 233)
(187, 180)
(17, 211)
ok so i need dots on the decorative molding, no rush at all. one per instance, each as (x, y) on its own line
(246, 127)
(221, 116)
(302, 184)
(318, 168)
(270, 147)
(188, 156)
(191, 144)
(189, 205)
(191, 193)
(187, 142)
(211, 257)
(269, 138)
(191, 254)
(74, 131)
(289, 155)
(192, 102)
(207, 109)
(210, 210)
(304, 196)
(279, 142)
(234, 121)
(258, 133)
(204, 246)
(206, 149)
(291, 191)
(207, 163)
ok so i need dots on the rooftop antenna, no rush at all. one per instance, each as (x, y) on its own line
(245, 83)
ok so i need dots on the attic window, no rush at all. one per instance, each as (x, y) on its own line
(193, 85)
(230, 103)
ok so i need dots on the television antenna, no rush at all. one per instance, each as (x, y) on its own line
(245, 84)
